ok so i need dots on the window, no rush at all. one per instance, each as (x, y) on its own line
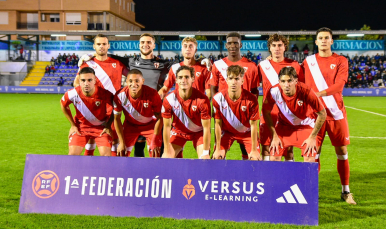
(54, 18)
(3, 18)
(128, 7)
(124, 4)
(132, 6)
(116, 1)
(73, 18)
(120, 2)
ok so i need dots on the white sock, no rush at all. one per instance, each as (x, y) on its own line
(90, 146)
(289, 160)
(345, 188)
(265, 158)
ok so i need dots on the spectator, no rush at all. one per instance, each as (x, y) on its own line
(384, 80)
(365, 80)
(64, 57)
(377, 57)
(356, 69)
(356, 58)
(249, 54)
(61, 81)
(220, 56)
(372, 71)
(362, 59)
(349, 83)
(255, 60)
(359, 79)
(370, 80)
(52, 61)
(125, 56)
(295, 51)
(52, 70)
(67, 60)
(73, 56)
(306, 50)
(381, 69)
(259, 57)
(47, 69)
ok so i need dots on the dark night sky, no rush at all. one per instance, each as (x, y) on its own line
(248, 15)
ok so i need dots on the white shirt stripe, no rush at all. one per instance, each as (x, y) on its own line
(102, 76)
(291, 117)
(229, 115)
(79, 104)
(321, 84)
(270, 72)
(131, 110)
(175, 67)
(221, 65)
(178, 111)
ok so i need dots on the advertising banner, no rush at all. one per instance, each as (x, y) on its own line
(254, 191)
(358, 45)
(364, 92)
(30, 89)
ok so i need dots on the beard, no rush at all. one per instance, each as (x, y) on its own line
(146, 53)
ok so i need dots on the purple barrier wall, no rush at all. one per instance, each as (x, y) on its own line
(276, 192)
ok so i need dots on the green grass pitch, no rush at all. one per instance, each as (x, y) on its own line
(34, 124)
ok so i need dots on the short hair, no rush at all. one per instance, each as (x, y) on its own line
(235, 70)
(324, 29)
(276, 37)
(86, 70)
(134, 71)
(190, 39)
(288, 71)
(147, 35)
(184, 67)
(234, 34)
(101, 35)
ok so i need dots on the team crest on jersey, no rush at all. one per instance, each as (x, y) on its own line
(198, 74)
(156, 64)
(300, 103)
(97, 103)
(194, 108)
(114, 65)
(245, 68)
(137, 63)
(146, 105)
(332, 66)
(243, 108)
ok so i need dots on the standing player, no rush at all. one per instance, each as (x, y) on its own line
(296, 124)
(219, 72)
(108, 73)
(188, 49)
(139, 104)
(326, 73)
(236, 113)
(190, 110)
(93, 117)
(268, 72)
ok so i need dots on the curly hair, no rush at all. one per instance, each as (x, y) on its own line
(276, 37)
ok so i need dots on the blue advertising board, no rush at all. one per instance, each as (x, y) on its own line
(254, 191)
(30, 89)
(364, 92)
(358, 45)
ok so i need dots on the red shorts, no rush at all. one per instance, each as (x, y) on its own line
(228, 138)
(337, 131)
(81, 140)
(132, 137)
(293, 137)
(265, 133)
(181, 138)
(114, 131)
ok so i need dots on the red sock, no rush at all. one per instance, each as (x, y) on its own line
(244, 157)
(180, 155)
(114, 153)
(89, 152)
(344, 171)
(318, 161)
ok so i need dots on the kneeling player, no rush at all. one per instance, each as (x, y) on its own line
(296, 125)
(93, 117)
(190, 110)
(139, 104)
(236, 113)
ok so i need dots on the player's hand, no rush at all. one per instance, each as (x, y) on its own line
(121, 150)
(155, 145)
(319, 94)
(85, 58)
(106, 131)
(219, 154)
(269, 57)
(311, 149)
(255, 156)
(73, 130)
(208, 64)
(161, 93)
(276, 145)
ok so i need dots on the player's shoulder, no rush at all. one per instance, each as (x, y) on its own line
(220, 95)
(198, 94)
(249, 96)
(103, 93)
(171, 96)
(149, 91)
(123, 89)
(303, 87)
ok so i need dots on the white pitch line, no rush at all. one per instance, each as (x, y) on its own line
(368, 137)
(366, 111)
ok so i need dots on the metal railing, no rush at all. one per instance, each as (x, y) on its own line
(28, 26)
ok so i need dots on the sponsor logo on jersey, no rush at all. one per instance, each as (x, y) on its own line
(332, 66)
(198, 74)
(97, 103)
(156, 64)
(300, 103)
(194, 108)
(312, 64)
(226, 107)
(176, 107)
(137, 63)
(348, 138)
(146, 105)
(45, 184)
(114, 65)
(189, 191)
(267, 68)
(243, 108)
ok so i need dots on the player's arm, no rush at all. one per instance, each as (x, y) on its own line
(254, 154)
(156, 141)
(67, 113)
(218, 154)
(110, 120)
(275, 143)
(206, 127)
(121, 151)
(208, 94)
(213, 89)
(340, 80)
(168, 150)
(311, 149)
(163, 91)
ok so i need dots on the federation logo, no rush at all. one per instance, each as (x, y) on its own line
(97, 103)
(189, 191)
(45, 184)
(300, 103)
(156, 64)
(332, 66)
(114, 65)
(198, 74)
(146, 105)
(243, 108)
(194, 108)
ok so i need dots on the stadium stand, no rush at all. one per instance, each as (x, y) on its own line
(35, 75)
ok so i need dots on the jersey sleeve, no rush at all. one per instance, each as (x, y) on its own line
(254, 109)
(206, 74)
(156, 103)
(255, 80)
(268, 102)
(300, 72)
(125, 69)
(340, 79)
(216, 110)
(166, 109)
(117, 104)
(65, 100)
(109, 102)
(170, 79)
(214, 76)
(314, 101)
(205, 108)
(123, 60)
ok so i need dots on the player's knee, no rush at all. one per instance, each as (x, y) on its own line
(341, 150)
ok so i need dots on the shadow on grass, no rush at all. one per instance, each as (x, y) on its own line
(368, 190)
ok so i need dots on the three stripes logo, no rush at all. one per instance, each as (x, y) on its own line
(289, 198)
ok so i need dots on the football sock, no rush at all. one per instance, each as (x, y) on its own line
(344, 171)
(180, 155)
(139, 149)
(317, 159)
(289, 160)
(114, 150)
(89, 149)
(244, 157)
(265, 158)
(244, 152)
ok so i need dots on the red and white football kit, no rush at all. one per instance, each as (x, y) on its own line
(187, 116)
(219, 74)
(268, 72)
(330, 74)
(296, 118)
(91, 114)
(235, 116)
(201, 80)
(139, 114)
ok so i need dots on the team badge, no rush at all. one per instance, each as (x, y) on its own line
(114, 65)
(156, 64)
(194, 108)
(97, 103)
(198, 74)
(245, 68)
(243, 108)
(332, 66)
(300, 103)
(145, 105)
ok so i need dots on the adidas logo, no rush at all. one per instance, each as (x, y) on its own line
(290, 198)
